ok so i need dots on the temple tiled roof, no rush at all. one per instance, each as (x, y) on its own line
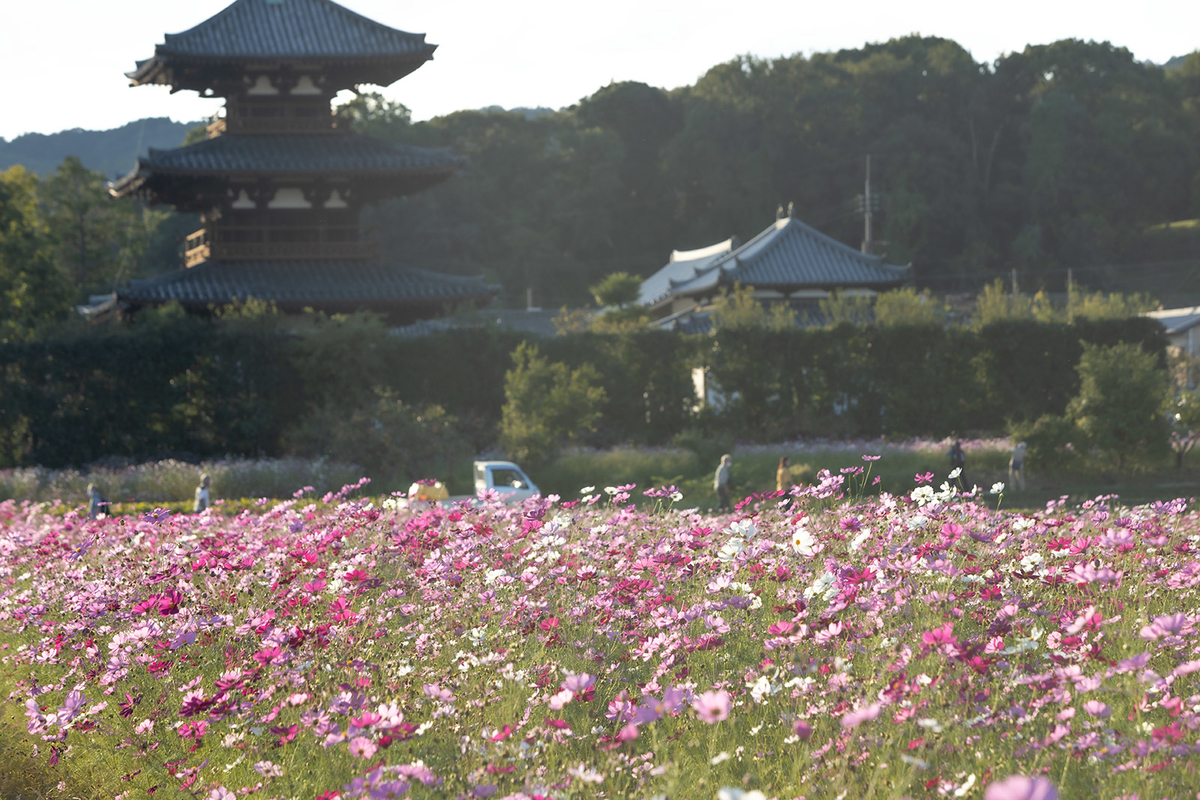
(790, 256)
(682, 265)
(307, 282)
(291, 154)
(285, 30)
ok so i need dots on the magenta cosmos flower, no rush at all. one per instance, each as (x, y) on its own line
(1019, 787)
(712, 707)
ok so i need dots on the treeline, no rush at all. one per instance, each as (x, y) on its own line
(171, 385)
(62, 238)
(1055, 157)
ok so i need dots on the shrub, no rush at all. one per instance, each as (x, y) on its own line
(1121, 404)
(388, 438)
(1052, 443)
(545, 404)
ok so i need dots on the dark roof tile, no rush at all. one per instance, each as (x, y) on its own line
(292, 29)
(306, 282)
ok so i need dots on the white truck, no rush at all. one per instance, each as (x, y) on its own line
(504, 477)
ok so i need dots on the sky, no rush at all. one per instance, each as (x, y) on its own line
(62, 62)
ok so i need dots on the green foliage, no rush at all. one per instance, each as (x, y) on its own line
(996, 304)
(546, 404)
(907, 307)
(1121, 403)
(388, 438)
(737, 308)
(1054, 444)
(97, 241)
(843, 308)
(341, 357)
(617, 289)
(33, 293)
(373, 114)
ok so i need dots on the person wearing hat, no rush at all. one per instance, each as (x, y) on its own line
(203, 499)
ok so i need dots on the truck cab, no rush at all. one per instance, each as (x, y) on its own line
(506, 478)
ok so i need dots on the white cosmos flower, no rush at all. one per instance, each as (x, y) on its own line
(804, 543)
(997, 487)
(954, 473)
(731, 550)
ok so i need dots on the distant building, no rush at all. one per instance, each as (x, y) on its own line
(1183, 339)
(280, 181)
(1181, 326)
(788, 262)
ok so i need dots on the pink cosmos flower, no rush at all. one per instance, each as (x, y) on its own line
(1097, 709)
(713, 707)
(1019, 787)
(858, 716)
(362, 747)
(802, 729)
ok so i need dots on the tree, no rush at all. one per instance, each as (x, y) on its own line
(546, 404)
(32, 291)
(97, 240)
(373, 114)
(617, 289)
(1121, 404)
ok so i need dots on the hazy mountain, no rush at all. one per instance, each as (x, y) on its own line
(112, 152)
(1175, 63)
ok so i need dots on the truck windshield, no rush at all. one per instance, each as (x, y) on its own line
(503, 476)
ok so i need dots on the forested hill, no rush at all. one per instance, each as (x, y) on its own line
(111, 152)
(1057, 157)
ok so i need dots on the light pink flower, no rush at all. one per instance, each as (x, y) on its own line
(1019, 787)
(852, 719)
(1097, 709)
(362, 747)
(713, 707)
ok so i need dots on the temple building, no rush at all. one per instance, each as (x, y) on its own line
(789, 262)
(280, 180)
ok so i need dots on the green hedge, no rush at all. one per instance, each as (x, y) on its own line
(189, 386)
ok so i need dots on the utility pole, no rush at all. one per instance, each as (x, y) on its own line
(1070, 297)
(867, 243)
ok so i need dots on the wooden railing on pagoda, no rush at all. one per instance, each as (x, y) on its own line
(245, 243)
(277, 119)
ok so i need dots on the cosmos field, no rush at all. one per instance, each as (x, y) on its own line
(823, 644)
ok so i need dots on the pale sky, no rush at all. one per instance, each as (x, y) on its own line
(62, 61)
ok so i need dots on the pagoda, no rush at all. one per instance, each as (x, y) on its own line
(280, 180)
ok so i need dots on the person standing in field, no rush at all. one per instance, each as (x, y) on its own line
(203, 498)
(1016, 467)
(721, 482)
(958, 461)
(97, 505)
(783, 475)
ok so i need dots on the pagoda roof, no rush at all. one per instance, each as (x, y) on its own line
(300, 283)
(291, 154)
(788, 256)
(285, 30)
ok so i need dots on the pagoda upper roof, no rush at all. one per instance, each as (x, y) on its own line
(286, 30)
(291, 154)
(308, 282)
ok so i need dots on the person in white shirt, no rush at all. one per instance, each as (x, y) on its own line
(203, 499)
(1016, 467)
(721, 482)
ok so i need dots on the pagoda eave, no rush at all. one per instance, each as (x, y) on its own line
(198, 73)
